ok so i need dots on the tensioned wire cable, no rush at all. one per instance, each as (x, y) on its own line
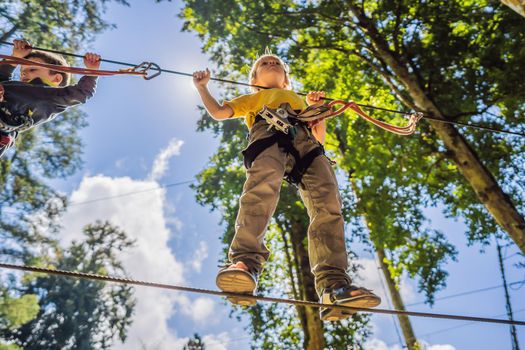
(160, 187)
(92, 276)
(519, 283)
(477, 126)
(390, 344)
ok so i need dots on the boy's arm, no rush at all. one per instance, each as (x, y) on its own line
(216, 110)
(76, 94)
(319, 131)
(318, 127)
(59, 97)
(21, 48)
(6, 72)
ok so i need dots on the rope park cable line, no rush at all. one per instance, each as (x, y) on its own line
(97, 277)
(143, 68)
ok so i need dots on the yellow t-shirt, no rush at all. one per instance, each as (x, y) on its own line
(248, 106)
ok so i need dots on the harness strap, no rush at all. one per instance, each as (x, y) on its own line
(285, 142)
(257, 147)
(295, 176)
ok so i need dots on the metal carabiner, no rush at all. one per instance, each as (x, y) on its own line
(144, 67)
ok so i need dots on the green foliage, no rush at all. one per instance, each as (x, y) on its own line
(76, 313)
(195, 343)
(29, 207)
(465, 56)
(54, 22)
(14, 311)
(52, 150)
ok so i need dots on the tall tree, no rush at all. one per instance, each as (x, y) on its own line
(54, 149)
(450, 61)
(195, 343)
(76, 313)
(29, 207)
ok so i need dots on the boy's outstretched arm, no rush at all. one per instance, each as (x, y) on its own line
(318, 127)
(216, 110)
(83, 90)
(21, 48)
(59, 98)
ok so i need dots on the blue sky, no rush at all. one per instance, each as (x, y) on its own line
(141, 135)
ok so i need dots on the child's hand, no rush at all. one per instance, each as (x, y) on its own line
(201, 78)
(1, 92)
(314, 96)
(92, 60)
(21, 48)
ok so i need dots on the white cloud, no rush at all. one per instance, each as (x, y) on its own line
(377, 344)
(200, 310)
(160, 165)
(220, 341)
(439, 347)
(150, 259)
(143, 217)
(199, 256)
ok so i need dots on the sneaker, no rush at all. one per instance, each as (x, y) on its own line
(237, 278)
(346, 296)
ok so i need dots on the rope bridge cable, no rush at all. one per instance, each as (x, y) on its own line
(169, 71)
(470, 292)
(421, 336)
(97, 277)
(138, 70)
(160, 187)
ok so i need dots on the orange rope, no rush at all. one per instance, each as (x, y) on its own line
(140, 70)
(399, 130)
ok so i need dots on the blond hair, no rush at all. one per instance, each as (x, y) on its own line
(252, 76)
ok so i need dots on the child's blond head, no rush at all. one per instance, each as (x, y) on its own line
(257, 63)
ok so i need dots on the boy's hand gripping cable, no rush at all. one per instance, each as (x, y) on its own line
(142, 69)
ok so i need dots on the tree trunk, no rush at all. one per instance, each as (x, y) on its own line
(313, 330)
(404, 321)
(516, 5)
(5, 36)
(397, 300)
(513, 333)
(481, 180)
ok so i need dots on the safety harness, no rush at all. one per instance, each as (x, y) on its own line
(284, 122)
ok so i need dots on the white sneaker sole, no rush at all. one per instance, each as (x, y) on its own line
(237, 281)
(360, 301)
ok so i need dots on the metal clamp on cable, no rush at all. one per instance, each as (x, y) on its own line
(144, 68)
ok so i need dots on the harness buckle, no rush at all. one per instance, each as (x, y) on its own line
(277, 118)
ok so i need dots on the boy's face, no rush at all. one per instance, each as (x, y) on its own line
(270, 72)
(28, 73)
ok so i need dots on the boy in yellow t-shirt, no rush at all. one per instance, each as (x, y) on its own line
(271, 156)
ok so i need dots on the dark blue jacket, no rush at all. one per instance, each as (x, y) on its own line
(26, 105)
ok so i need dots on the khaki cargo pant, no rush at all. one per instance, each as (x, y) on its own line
(320, 193)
